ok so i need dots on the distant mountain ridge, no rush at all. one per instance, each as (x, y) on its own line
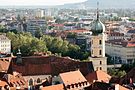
(92, 4)
(105, 4)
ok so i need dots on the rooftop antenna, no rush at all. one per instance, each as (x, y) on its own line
(97, 10)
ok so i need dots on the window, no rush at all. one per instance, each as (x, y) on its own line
(38, 80)
(100, 62)
(100, 68)
(100, 42)
(72, 85)
(100, 52)
(31, 82)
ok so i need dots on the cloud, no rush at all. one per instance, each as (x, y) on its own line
(37, 2)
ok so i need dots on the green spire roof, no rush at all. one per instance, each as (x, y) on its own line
(97, 26)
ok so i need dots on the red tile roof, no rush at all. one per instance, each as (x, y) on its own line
(122, 43)
(2, 83)
(41, 65)
(77, 31)
(54, 87)
(119, 87)
(116, 34)
(73, 77)
(15, 79)
(98, 75)
(4, 64)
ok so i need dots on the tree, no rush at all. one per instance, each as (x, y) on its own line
(115, 72)
(38, 33)
(121, 73)
(3, 29)
(126, 67)
(27, 43)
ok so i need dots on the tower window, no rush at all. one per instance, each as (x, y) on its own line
(100, 52)
(100, 68)
(100, 42)
(100, 62)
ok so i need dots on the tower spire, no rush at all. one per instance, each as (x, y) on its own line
(97, 10)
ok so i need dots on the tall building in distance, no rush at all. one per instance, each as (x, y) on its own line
(98, 45)
(5, 44)
(36, 24)
(40, 13)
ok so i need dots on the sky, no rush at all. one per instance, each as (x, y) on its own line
(37, 2)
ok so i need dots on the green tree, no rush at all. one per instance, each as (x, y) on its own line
(38, 33)
(115, 72)
(121, 73)
(27, 43)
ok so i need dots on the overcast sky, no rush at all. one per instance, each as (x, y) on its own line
(37, 2)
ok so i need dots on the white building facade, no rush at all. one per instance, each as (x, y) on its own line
(33, 25)
(5, 44)
(121, 52)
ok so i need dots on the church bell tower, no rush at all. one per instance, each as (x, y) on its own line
(98, 45)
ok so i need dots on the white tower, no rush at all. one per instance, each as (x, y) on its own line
(98, 45)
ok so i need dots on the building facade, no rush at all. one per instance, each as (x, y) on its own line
(98, 45)
(121, 51)
(5, 44)
(33, 25)
(39, 13)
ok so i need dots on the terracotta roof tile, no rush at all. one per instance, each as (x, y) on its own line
(54, 65)
(18, 80)
(119, 87)
(3, 83)
(98, 76)
(77, 31)
(4, 64)
(54, 87)
(73, 77)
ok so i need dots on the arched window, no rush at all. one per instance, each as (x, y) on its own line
(72, 85)
(38, 80)
(100, 42)
(100, 52)
(100, 68)
(68, 86)
(31, 82)
(76, 85)
(80, 84)
(100, 62)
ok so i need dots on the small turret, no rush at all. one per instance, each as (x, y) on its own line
(19, 58)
